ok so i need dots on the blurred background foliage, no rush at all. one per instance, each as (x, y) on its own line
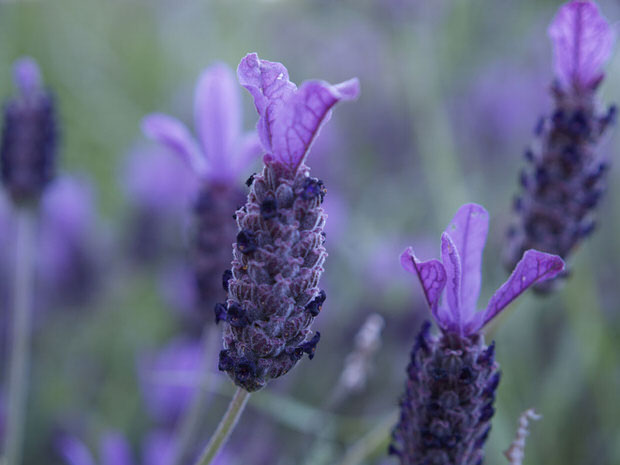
(450, 93)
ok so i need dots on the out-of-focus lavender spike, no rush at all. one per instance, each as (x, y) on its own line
(565, 177)
(516, 452)
(29, 136)
(452, 378)
(273, 295)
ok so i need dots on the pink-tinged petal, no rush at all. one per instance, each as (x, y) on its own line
(217, 110)
(432, 276)
(174, 135)
(115, 450)
(290, 118)
(73, 451)
(582, 43)
(533, 268)
(468, 230)
(268, 83)
(26, 75)
(452, 264)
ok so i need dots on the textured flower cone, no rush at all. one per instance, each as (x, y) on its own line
(215, 231)
(273, 294)
(448, 402)
(28, 148)
(564, 182)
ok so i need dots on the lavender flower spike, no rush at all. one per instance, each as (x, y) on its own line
(448, 402)
(219, 157)
(29, 139)
(273, 294)
(565, 180)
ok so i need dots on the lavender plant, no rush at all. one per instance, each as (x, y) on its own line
(27, 157)
(452, 377)
(565, 179)
(218, 160)
(273, 293)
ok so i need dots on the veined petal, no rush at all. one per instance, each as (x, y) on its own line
(468, 230)
(173, 134)
(582, 43)
(452, 264)
(115, 450)
(290, 118)
(217, 111)
(534, 267)
(74, 451)
(432, 276)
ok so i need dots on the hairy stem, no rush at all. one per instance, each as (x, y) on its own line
(19, 356)
(227, 424)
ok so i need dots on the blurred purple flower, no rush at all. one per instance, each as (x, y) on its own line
(459, 272)
(69, 242)
(170, 378)
(582, 43)
(222, 152)
(29, 136)
(273, 293)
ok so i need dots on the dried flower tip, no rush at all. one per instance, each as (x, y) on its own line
(226, 276)
(315, 306)
(516, 452)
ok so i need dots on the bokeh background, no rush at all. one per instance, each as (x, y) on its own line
(451, 91)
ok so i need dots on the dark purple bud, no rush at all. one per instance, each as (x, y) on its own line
(220, 312)
(310, 346)
(227, 276)
(269, 208)
(487, 357)
(313, 188)
(487, 413)
(246, 241)
(250, 180)
(237, 316)
(491, 386)
(316, 305)
(226, 362)
(245, 370)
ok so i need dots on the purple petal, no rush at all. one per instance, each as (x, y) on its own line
(534, 267)
(26, 75)
(468, 230)
(74, 451)
(115, 450)
(217, 110)
(452, 264)
(173, 134)
(250, 148)
(582, 43)
(290, 118)
(432, 276)
(158, 448)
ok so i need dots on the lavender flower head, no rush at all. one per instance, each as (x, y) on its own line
(273, 293)
(452, 378)
(565, 178)
(29, 139)
(217, 159)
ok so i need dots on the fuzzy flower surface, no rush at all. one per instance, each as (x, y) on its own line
(565, 177)
(447, 407)
(218, 157)
(278, 257)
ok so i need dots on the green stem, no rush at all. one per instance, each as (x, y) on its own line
(227, 424)
(187, 427)
(19, 356)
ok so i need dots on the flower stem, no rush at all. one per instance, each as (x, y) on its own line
(227, 423)
(187, 427)
(19, 356)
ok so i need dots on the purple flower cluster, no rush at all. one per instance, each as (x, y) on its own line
(452, 377)
(273, 293)
(29, 136)
(565, 179)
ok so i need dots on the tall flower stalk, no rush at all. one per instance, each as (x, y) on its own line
(273, 293)
(452, 377)
(27, 154)
(565, 179)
